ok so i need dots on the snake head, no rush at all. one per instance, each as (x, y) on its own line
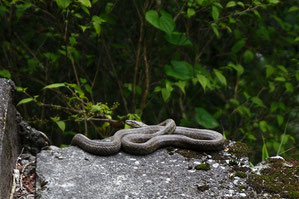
(135, 124)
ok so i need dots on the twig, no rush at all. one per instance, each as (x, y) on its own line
(147, 81)
(141, 33)
(115, 123)
(179, 13)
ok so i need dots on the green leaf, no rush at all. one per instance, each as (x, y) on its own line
(241, 4)
(152, 17)
(21, 89)
(220, 76)
(271, 87)
(269, 70)
(180, 70)
(231, 4)
(280, 79)
(24, 101)
(97, 21)
(56, 85)
(248, 56)
(205, 119)
(258, 102)
(215, 29)
(263, 126)
(238, 46)
(166, 22)
(215, 13)
(21, 8)
(190, 12)
(273, 1)
(202, 80)
(181, 85)
(293, 9)
(60, 124)
(203, 2)
(289, 87)
(166, 92)
(283, 69)
(157, 89)
(85, 3)
(279, 119)
(177, 38)
(274, 107)
(237, 67)
(5, 73)
(244, 110)
(63, 3)
(265, 153)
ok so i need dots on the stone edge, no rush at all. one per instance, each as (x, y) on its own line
(9, 138)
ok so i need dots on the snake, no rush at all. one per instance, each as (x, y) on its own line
(145, 139)
(112, 145)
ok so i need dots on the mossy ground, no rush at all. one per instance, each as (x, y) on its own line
(203, 166)
(239, 149)
(279, 178)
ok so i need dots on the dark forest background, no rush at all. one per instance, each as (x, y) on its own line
(84, 66)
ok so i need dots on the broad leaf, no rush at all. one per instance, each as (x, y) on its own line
(289, 87)
(166, 92)
(153, 18)
(24, 101)
(85, 3)
(60, 124)
(231, 4)
(205, 119)
(177, 38)
(237, 67)
(180, 70)
(166, 22)
(215, 29)
(56, 85)
(220, 76)
(248, 56)
(215, 13)
(190, 12)
(258, 102)
(238, 46)
(5, 73)
(202, 80)
(181, 85)
(279, 119)
(263, 126)
(63, 3)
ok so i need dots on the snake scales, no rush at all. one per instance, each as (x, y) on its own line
(146, 139)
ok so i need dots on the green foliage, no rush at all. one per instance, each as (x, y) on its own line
(227, 65)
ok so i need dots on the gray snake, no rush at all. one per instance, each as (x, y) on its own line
(146, 139)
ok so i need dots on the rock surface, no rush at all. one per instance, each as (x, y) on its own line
(72, 173)
(9, 139)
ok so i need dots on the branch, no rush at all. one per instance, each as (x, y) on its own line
(141, 33)
(147, 81)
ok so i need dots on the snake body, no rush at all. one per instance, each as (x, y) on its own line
(187, 138)
(146, 139)
(113, 144)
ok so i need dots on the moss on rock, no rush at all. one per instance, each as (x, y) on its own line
(203, 166)
(279, 177)
(239, 149)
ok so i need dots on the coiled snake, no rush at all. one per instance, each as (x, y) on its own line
(147, 139)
